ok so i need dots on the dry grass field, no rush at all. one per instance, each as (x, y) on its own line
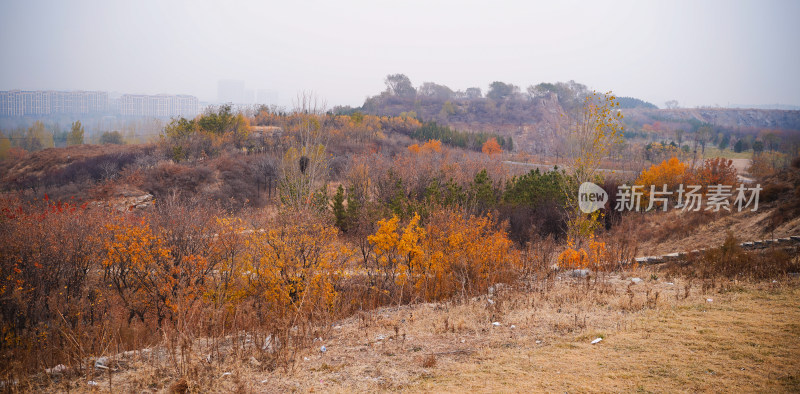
(661, 334)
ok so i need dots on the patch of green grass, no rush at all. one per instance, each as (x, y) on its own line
(712, 152)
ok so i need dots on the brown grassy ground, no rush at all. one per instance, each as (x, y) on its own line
(657, 336)
(748, 340)
(37, 163)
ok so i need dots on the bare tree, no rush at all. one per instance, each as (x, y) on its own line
(305, 163)
(703, 135)
(267, 168)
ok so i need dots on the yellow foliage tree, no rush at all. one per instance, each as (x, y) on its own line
(286, 277)
(396, 252)
(289, 271)
(137, 264)
(449, 256)
(241, 129)
(596, 129)
(464, 257)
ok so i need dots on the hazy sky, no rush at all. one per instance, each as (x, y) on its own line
(697, 52)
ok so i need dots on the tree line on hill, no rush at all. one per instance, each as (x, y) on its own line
(502, 102)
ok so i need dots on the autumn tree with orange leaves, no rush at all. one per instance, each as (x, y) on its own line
(431, 146)
(491, 147)
(594, 255)
(670, 173)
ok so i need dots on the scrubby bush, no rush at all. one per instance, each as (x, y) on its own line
(112, 137)
(449, 256)
(732, 262)
(717, 171)
(767, 163)
(48, 254)
(167, 178)
(594, 255)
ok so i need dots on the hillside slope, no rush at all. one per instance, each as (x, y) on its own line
(722, 117)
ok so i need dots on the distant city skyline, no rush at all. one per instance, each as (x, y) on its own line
(237, 91)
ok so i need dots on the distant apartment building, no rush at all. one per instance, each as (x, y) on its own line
(234, 91)
(231, 91)
(159, 106)
(17, 103)
(267, 97)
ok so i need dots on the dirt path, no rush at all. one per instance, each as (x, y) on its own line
(741, 165)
